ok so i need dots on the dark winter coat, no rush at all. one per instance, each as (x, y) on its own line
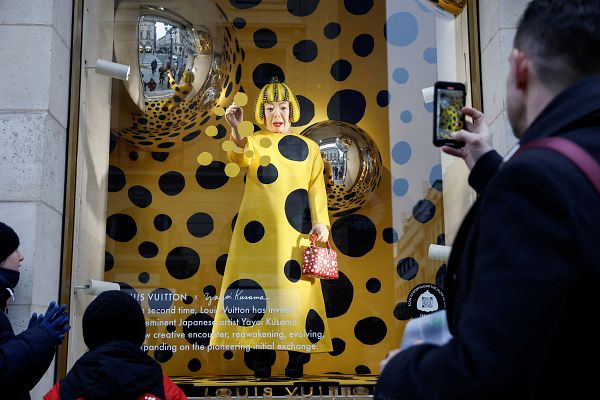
(24, 358)
(522, 281)
(117, 370)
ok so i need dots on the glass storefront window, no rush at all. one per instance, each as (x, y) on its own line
(209, 236)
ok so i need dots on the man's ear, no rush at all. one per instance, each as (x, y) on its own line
(522, 68)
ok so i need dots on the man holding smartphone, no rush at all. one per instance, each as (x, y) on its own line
(522, 279)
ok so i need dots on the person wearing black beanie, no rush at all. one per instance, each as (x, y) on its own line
(24, 358)
(115, 367)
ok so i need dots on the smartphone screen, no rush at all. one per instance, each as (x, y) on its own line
(448, 98)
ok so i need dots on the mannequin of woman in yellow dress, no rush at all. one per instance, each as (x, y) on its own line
(284, 203)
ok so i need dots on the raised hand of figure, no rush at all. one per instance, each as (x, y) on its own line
(476, 135)
(319, 232)
(55, 321)
(234, 115)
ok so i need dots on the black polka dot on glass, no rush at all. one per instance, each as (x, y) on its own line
(139, 196)
(200, 224)
(144, 277)
(292, 270)
(338, 346)
(263, 73)
(254, 231)
(109, 261)
(267, 174)
(347, 105)
(302, 8)
(121, 227)
(297, 210)
(171, 183)
(182, 262)
(307, 111)
(423, 211)
(116, 179)
(373, 285)
(358, 7)
(383, 98)
(401, 311)
(370, 330)
(220, 264)
(363, 45)
(194, 365)
(148, 249)
(212, 176)
(407, 268)
(340, 70)
(162, 222)
(239, 23)
(305, 50)
(332, 30)
(264, 38)
(389, 235)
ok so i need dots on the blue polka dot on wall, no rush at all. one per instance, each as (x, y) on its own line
(400, 187)
(435, 177)
(406, 116)
(430, 55)
(400, 76)
(401, 29)
(401, 152)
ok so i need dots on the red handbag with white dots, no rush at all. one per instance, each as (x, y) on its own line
(320, 262)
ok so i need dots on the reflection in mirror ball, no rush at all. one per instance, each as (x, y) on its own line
(188, 67)
(352, 164)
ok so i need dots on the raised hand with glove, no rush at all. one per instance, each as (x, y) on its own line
(55, 321)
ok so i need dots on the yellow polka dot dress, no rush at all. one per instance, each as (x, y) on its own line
(265, 302)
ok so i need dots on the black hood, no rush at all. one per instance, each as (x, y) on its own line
(117, 370)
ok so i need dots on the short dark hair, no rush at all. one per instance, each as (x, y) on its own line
(562, 37)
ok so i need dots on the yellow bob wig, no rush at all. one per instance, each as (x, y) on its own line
(276, 91)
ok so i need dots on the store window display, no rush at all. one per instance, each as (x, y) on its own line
(266, 305)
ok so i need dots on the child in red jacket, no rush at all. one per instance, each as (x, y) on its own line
(115, 367)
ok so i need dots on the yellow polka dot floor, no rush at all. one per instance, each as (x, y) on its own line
(357, 68)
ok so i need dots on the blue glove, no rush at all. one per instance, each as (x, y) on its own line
(35, 320)
(55, 321)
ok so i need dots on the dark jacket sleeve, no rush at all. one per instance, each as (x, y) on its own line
(520, 272)
(25, 358)
(484, 169)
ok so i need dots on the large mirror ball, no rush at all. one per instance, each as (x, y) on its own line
(352, 164)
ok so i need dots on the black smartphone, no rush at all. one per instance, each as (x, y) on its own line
(448, 100)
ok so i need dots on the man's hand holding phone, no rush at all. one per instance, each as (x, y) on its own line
(476, 138)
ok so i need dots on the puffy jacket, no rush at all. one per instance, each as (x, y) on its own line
(24, 358)
(117, 370)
